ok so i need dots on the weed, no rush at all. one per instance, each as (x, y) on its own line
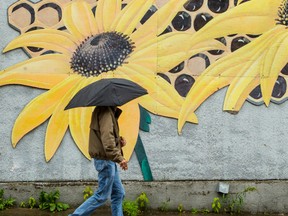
(216, 205)
(235, 203)
(88, 192)
(205, 211)
(194, 211)
(142, 201)
(32, 202)
(22, 204)
(48, 201)
(130, 208)
(5, 203)
(180, 208)
(231, 203)
(164, 206)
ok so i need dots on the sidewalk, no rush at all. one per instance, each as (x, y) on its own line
(98, 212)
(106, 212)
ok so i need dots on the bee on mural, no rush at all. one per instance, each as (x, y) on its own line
(98, 43)
(253, 68)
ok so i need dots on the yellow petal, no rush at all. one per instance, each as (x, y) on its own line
(177, 36)
(252, 17)
(79, 19)
(49, 39)
(170, 45)
(275, 60)
(129, 122)
(166, 53)
(200, 91)
(245, 93)
(39, 109)
(130, 16)
(56, 130)
(222, 72)
(58, 124)
(79, 124)
(241, 85)
(157, 108)
(149, 64)
(44, 81)
(169, 61)
(106, 12)
(46, 64)
(234, 100)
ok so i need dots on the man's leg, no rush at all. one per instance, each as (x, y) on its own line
(117, 196)
(106, 173)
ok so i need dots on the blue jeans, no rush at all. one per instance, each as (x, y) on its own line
(109, 185)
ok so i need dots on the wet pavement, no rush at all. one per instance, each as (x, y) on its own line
(106, 212)
(99, 212)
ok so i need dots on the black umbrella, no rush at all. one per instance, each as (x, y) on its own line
(107, 92)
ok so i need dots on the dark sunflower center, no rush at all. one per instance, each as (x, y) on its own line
(101, 53)
(283, 13)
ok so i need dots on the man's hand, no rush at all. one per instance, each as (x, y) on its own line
(124, 164)
(122, 141)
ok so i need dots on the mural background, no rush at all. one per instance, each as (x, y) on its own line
(250, 145)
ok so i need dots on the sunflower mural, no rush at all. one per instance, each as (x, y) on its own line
(251, 70)
(95, 43)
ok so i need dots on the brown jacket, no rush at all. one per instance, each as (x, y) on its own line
(104, 139)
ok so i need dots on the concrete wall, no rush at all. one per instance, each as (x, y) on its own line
(251, 147)
(270, 197)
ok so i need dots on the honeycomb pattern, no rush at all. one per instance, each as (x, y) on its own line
(26, 16)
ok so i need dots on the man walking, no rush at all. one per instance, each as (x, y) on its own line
(105, 147)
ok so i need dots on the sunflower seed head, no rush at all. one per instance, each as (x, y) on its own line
(101, 53)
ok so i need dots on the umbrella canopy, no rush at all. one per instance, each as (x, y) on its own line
(107, 92)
